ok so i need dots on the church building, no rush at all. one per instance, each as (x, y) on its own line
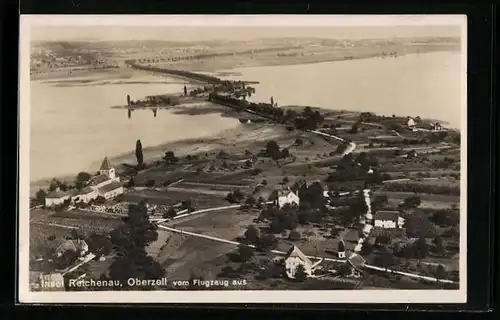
(106, 184)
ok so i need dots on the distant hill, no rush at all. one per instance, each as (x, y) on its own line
(66, 46)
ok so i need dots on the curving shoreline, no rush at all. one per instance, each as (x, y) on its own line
(158, 150)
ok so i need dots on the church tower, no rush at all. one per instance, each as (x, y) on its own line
(107, 169)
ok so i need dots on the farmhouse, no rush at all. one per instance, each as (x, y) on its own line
(106, 184)
(286, 197)
(293, 259)
(56, 197)
(78, 246)
(388, 219)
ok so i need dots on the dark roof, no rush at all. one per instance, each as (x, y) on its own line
(86, 190)
(73, 192)
(387, 215)
(273, 195)
(109, 187)
(106, 165)
(56, 194)
(341, 246)
(98, 179)
(356, 261)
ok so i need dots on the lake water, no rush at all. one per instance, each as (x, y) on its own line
(426, 85)
(73, 127)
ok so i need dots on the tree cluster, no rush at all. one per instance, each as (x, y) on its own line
(170, 157)
(235, 197)
(130, 241)
(274, 152)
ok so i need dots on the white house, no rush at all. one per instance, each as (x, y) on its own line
(293, 259)
(56, 197)
(106, 184)
(85, 195)
(287, 196)
(411, 123)
(388, 219)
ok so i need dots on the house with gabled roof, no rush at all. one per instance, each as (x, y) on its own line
(287, 196)
(411, 123)
(293, 259)
(56, 197)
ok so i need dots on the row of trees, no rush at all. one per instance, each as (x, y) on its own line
(307, 120)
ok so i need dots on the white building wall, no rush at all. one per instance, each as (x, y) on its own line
(291, 198)
(49, 202)
(113, 193)
(401, 222)
(291, 265)
(90, 196)
(386, 224)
